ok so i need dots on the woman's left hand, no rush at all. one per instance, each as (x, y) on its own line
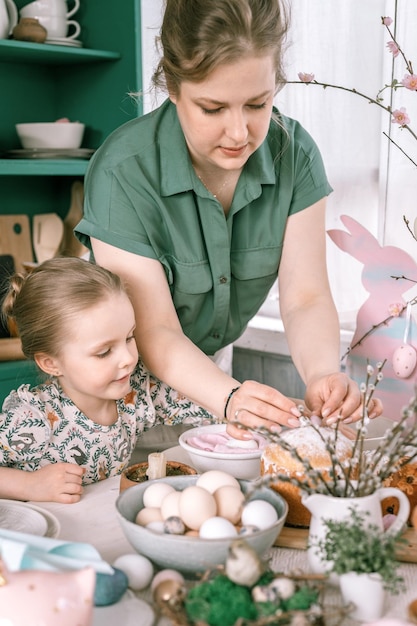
(336, 396)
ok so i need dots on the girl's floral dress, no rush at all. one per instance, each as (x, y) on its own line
(42, 425)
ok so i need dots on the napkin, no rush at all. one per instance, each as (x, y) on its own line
(23, 551)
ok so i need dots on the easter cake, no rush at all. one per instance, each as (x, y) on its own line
(310, 444)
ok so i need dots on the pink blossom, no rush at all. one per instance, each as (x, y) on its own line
(305, 78)
(387, 21)
(410, 81)
(395, 309)
(392, 47)
(399, 116)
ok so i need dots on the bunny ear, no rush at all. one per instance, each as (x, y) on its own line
(360, 244)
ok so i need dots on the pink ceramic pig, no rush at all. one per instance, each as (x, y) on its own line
(32, 597)
(380, 265)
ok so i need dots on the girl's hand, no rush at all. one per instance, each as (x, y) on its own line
(255, 404)
(57, 482)
(336, 396)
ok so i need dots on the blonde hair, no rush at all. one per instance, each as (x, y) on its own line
(199, 35)
(46, 303)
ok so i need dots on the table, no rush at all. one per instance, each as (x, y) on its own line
(93, 520)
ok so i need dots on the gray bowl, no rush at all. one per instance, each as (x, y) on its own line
(190, 555)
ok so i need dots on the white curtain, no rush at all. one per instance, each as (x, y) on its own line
(343, 42)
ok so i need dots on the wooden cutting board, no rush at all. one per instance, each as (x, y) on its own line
(297, 538)
(15, 239)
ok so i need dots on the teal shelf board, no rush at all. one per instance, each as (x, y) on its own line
(43, 167)
(49, 54)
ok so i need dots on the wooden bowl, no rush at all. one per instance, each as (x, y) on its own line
(412, 611)
(137, 473)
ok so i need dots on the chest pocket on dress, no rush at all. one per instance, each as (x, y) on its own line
(189, 278)
(258, 264)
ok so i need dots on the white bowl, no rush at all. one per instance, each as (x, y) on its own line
(244, 465)
(190, 554)
(376, 430)
(54, 135)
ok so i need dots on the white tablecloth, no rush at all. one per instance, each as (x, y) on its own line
(94, 520)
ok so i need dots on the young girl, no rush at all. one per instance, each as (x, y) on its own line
(76, 321)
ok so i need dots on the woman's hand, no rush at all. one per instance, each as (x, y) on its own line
(255, 404)
(57, 482)
(336, 396)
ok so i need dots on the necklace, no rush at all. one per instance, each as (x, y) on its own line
(215, 195)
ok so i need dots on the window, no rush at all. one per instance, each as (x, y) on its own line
(344, 43)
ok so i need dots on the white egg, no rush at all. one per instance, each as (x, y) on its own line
(247, 444)
(138, 569)
(156, 526)
(259, 513)
(166, 574)
(217, 528)
(155, 493)
(213, 479)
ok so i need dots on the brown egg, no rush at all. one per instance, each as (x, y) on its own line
(229, 501)
(196, 505)
(147, 515)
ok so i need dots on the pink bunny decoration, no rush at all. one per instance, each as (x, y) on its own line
(49, 598)
(381, 264)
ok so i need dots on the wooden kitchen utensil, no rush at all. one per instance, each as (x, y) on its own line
(48, 230)
(70, 246)
(15, 239)
(11, 349)
(7, 269)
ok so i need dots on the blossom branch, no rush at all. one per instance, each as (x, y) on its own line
(399, 148)
(370, 100)
(386, 21)
(407, 223)
(384, 322)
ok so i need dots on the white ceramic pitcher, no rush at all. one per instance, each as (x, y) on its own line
(323, 507)
(8, 17)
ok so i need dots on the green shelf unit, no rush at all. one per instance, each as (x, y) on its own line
(45, 82)
(48, 54)
(43, 167)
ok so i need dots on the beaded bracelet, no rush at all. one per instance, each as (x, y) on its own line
(228, 400)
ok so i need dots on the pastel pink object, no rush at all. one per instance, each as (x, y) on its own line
(218, 442)
(32, 597)
(380, 265)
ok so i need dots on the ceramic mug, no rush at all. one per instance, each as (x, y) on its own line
(49, 7)
(57, 26)
(8, 17)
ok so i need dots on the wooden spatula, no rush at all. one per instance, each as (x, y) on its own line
(48, 229)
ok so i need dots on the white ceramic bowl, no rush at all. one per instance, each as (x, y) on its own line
(54, 135)
(376, 429)
(190, 554)
(244, 465)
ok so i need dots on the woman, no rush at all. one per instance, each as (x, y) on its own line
(198, 204)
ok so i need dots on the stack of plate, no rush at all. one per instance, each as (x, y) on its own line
(65, 41)
(27, 518)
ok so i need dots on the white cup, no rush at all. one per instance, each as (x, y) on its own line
(58, 26)
(49, 7)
